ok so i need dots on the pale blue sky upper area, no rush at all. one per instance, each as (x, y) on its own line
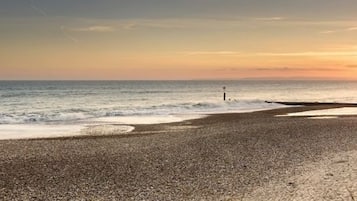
(50, 20)
(129, 9)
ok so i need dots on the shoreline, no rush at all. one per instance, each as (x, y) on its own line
(222, 156)
(86, 128)
(86, 132)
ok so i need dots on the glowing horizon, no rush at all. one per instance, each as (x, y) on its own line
(158, 39)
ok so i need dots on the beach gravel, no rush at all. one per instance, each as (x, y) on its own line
(251, 156)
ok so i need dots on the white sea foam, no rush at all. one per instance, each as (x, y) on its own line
(187, 111)
(33, 131)
(325, 113)
(106, 129)
(38, 117)
(154, 119)
(155, 113)
(25, 131)
(14, 128)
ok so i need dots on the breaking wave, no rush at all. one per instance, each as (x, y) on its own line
(76, 114)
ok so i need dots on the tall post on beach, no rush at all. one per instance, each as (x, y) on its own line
(224, 93)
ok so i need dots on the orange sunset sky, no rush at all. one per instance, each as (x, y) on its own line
(178, 39)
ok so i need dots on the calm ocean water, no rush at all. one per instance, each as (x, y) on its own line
(72, 103)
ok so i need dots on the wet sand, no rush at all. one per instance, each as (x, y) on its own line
(252, 156)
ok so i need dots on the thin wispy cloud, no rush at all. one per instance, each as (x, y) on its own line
(298, 54)
(328, 32)
(349, 29)
(67, 35)
(106, 25)
(128, 25)
(94, 29)
(137, 24)
(296, 69)
(274, 54)
(164, 24)
(42, 12)
(37, 8)
(212, 53)
(282, 69)
(269, 18)
(167, 23)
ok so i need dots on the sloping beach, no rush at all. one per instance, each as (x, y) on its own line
(248, 156)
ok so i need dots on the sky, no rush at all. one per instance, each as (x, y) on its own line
(177, 39)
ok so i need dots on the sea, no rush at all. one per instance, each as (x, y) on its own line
(45, 109)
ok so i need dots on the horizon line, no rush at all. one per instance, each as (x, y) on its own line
(228, 79)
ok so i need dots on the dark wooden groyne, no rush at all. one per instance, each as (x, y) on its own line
(314, 103)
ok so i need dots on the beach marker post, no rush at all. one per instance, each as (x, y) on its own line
(224, 93)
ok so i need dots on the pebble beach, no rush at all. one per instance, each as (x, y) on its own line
(247, 156)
